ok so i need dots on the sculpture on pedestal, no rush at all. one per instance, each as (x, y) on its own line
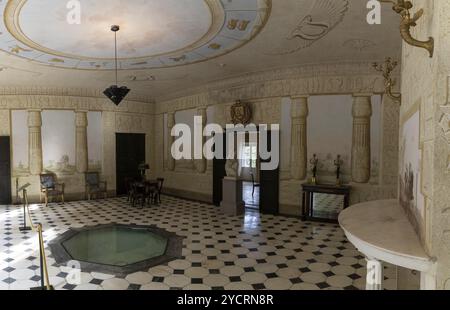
(231, 168)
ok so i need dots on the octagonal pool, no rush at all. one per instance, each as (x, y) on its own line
(115, 248)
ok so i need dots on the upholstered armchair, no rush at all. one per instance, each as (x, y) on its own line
(94, 186)
(51, 188)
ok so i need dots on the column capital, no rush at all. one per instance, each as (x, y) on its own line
(362, 107)
(81, 119)
(34, 118)
(201, 111)
(170, 119)
(299, 107)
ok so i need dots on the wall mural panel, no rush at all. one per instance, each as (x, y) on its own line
(95, 141)
(410, 193)
(58, 141)
(330, 120)
(20, 142)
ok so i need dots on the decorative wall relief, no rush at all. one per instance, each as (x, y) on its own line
(129, 123)
(58, 141)
(359, 45)
(322, 18)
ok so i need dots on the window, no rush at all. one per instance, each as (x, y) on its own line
(249, 156)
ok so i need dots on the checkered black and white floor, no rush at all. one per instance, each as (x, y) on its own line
(219, 252)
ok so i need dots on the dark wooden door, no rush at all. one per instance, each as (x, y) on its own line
(130, 152)
(269, 186)
(5, 171)
(219, 173)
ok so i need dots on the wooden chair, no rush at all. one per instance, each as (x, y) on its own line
(155, 192)
(254, 183)
(50, 187)
(139, 194)
(94, 186)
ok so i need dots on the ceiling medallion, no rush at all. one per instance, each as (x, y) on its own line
(115, 93)
(241, 113)
(182, 32)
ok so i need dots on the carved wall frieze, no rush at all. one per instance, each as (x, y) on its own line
(278, 88)
(130, 123)
(282, 77)
(36, 101)
(71, 92)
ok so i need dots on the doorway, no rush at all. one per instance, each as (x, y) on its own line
(130, 153)
(266, 181)
(5, 171)
(249, 172)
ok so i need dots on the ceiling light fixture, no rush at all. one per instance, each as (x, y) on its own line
(115, 93)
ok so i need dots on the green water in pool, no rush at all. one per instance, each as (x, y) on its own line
(116, 246)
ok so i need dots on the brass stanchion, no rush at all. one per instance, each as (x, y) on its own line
(25, 203)
(45, 281)
(45, 285)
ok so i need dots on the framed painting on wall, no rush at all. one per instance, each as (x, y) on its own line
(410, 177)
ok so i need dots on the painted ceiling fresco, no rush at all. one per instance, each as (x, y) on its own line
(154, 33)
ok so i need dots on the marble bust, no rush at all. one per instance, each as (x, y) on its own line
(231, 168)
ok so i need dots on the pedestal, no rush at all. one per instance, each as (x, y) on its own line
(232, 203)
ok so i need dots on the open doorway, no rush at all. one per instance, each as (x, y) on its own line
(130, 153)
(265, 198)
(249, 173)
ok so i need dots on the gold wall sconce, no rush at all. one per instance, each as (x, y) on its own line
(386, 69)
(403, 7)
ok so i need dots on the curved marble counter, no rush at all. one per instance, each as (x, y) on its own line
(382, 232)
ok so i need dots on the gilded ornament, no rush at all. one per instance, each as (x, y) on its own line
(241, 113)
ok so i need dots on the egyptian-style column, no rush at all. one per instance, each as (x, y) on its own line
(170, 141)
(200, 164)
(299, 114)
(81, 147)
(35, 142)
(362, 111)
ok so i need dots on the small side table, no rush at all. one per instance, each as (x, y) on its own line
(308, 192)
